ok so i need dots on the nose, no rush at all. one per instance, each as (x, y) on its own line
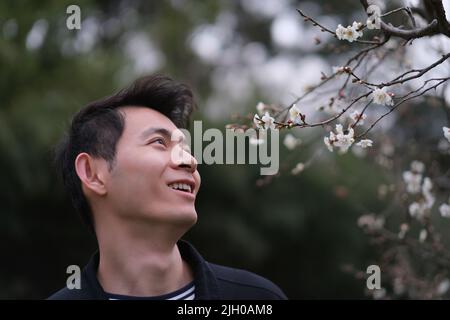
(183, 159)
(190, 165)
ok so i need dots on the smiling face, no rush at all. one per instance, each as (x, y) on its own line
(145, 181)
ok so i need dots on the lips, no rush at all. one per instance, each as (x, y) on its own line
(187, 186)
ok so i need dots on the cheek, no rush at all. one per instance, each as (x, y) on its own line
(139, 172)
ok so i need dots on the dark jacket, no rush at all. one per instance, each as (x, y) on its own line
(212, 281)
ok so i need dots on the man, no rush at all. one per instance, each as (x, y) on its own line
(135, 187)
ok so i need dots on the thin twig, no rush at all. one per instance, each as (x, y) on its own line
(420, 72)
(397, 105)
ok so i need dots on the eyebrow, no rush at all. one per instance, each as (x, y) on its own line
(162, 131)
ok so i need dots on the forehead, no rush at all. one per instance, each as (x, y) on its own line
(138, 119)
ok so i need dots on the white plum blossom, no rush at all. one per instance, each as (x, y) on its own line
(404, 228)
(426, 191)
(351, 33)
(261, 108)
(257, 122)
(417, 166)
(294, 114)
(365, 143)
(427, 185)
(298, 168)
(423, 235)
(269, 122)
(418, 210)
(446, 133)
(327, 141)
(443, 287)
(374, 20)
(344, 140)
(413, 178)
(371, 222)
(340, 32)
(413, 181)
(290, 141)
(341, 139)
(357, 26)
(256, 141)
(356, 115)
(265, 122)
(444, 146)
(444, 209)
(380, 96)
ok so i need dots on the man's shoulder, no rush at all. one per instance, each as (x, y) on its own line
(237, 283)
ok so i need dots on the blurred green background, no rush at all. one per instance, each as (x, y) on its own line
(299, 231)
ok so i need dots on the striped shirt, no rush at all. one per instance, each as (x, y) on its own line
(185, 293)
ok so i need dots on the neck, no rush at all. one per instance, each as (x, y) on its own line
(140, 261)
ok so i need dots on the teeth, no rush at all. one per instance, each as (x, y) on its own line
(181, 186)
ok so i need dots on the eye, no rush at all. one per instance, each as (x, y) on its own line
(160, 141)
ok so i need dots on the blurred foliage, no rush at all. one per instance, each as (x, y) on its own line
(297, 231)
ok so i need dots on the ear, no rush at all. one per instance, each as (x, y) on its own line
(92, 173)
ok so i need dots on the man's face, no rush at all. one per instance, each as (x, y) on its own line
(148, 170)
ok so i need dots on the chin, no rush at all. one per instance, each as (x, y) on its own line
(185, 216)
(192, 217)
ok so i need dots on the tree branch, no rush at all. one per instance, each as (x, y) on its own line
(400, 79)
(429, 30)
(443, 80)
(325, 29)
(420, 72)
(439, 14)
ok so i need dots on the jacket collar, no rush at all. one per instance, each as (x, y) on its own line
(206, 287)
